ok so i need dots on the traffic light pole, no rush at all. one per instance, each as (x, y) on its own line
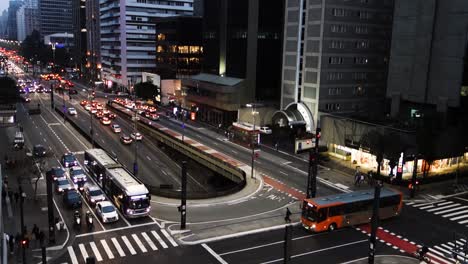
(413, 178)
(52, 96)
(287, 244)
(313, 167)
(183, 197)
(374, 223)
(23, 235)
(50, 208)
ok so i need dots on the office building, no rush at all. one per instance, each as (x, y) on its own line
(128, 37)
(79, 35)
(55, 16)
(12, 24)
(335, 58)
(242, 43)
(93, 38)
(27, 18)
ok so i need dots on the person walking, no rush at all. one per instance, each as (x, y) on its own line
(287, 218)
(357, 177)
(35, 233)
(41, 238)
(11, 244)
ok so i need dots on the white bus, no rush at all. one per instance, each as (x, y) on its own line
(129, 195)
(97, 161)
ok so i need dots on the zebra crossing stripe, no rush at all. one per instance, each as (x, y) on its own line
(463, 222)
(423, 204)
(443, 250)
(107, 249)
(434, 205)
(83, 251)
(129, 246)
(148, 240)
(72, 254)
(117, 246)
(169, 237)
(443, 207)
(163, 244)
(95, 251)
(456, 213)
(450, 210)
(140, 245)
(458, 217)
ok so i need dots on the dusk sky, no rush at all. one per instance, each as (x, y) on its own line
(3, 5)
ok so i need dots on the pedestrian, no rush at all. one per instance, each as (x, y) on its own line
(16, 197)
(35, 233)
(361, 178)
(357, 176)
(11, 244)
(41, 238)
(276, 146)
(287, 218)
(10, 195)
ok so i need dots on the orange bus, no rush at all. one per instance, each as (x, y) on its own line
(348, 209)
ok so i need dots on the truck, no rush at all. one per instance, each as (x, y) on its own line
(18, 142)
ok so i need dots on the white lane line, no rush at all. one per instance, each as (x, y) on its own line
(169, 237)
(118, 247)
(148, 158)
(44, 140)
(84, 254)
(463, 222)
(156, 235)
(456, 213)
(140, 245)
(129, 246)
(149, 241)
(107, 249)
(282, 172)
(216, 256)
(95, 251)
(235, 152)
(435, 205)
(451, 210)
(458, 217)
(443, 250)
(423, 204)
(72, 254)
(443, 207)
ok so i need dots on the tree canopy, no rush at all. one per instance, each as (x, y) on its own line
(146, 90)
(33, 48)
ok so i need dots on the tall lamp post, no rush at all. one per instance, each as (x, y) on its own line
(91, 97)
(254, 113)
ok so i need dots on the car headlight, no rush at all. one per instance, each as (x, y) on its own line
(148, 209)
(60, 189)
(313, 226)
(129, 211)
(93, 201)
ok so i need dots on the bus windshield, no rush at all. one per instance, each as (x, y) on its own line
(138, 204)
(309, 213)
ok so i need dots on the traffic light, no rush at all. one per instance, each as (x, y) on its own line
(318, 133)
(256, 155)
(312, 156)
(24, 243)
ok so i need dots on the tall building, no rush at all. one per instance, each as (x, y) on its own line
(3, 24)
(242, 44)
(93, 38)
(429, 58)
(55, 16)
(79, 34)
(12, 25)
(335, 58)
(27, 18)
(128, 37)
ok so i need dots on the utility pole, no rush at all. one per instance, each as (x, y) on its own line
(413, 178)
(23, 235)
(52, 96)
(313, 167)
(135, 123)
(183, 197)
(287, 244)
(374, 223)
(91, 97)
(252, 172)
(3, 244)
(50, 208)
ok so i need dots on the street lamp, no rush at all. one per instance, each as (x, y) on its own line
(254, 113)
(91, 97)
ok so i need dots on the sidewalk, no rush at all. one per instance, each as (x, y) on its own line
(386, 259)
(24, 174)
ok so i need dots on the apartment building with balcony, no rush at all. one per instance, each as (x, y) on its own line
(128, 35)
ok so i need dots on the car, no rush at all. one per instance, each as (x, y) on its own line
(125, 139)
(111, 115)
(83, 103)
(72, 91)
(152, 109)
(72, 199)
(39, 150)
(56, 173)
(153, 117)
(77, 175)
(25, 99)
(116, 128)
(99, 107)
(69, 160)
(98, 114)
(136, 136)
(93, 110)
(265, 130)
(93, 194)
(88, 107)
(107, 212)
(62, 184)
(40, 89)
(72, 111)
(105, 121)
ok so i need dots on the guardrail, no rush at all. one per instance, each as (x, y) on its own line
(223, 168)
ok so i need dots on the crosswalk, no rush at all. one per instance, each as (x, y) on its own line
(121, 246)
(450, 210)
(445, 252)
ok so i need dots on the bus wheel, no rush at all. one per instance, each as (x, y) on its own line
(332, 227)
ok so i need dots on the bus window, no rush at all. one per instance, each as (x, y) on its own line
(309, 213)
(322, 215)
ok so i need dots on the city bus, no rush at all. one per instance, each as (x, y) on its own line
(97, 161)
(244, 135)
(129, 195)
(327, 213)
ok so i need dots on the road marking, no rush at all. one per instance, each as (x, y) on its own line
(140, 245)
(156, 235)
(83, 251)
(169, 237)
(320, 250)
(216, 256)
(282, 172)
(165, 173)
(107, 249)
(149, 241)
(235, 152)
(443, 207)
(456, 213)
(72, 254)
(95, 251)
(129, 245)
(114, 229)
(459, 217)
(148, 158)
(450, 210)
(287, 162)
(118, 247)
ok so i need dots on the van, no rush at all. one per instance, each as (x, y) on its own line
(18, 142)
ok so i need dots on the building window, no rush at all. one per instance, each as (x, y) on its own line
(335, 44)
(361, 30)
(335, 60)
(332, 107)
(338, 28)
(338, 12)
(362, 44)
(359, 90)
(161, 36)
(358, 76)
(365, 15)
(334, 91)
(334, 76)
(360, 60)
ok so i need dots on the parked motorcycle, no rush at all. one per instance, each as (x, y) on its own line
(77, 219)
(89, 220)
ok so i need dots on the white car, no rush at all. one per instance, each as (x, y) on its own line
(107, 212)
(72, 111)
(265, 130)
(105, 121)
(136, 136)
(88, 107)
(116, 128)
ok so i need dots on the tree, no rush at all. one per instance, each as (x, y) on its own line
(33, 48)
(146, 90)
